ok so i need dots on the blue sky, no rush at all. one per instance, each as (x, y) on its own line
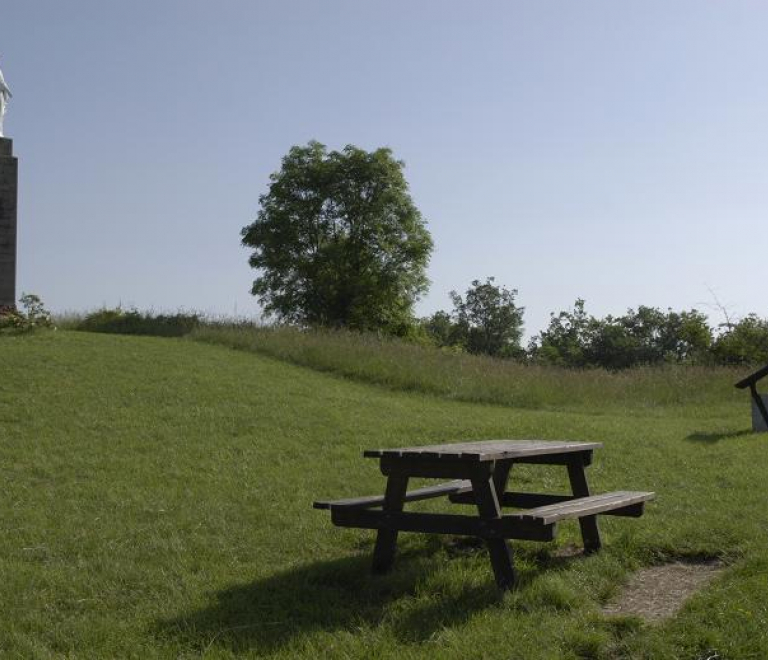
(615, 151)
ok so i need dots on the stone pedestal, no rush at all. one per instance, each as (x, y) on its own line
(9, 176)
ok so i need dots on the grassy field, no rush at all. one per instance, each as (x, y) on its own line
(157, 504)
(406, 366)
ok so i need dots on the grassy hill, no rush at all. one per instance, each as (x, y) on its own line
(157, 504)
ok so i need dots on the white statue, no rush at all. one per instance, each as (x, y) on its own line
(5, 94)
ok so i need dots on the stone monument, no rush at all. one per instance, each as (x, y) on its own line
(9, 176)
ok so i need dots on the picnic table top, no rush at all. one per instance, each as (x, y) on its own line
(485, 450)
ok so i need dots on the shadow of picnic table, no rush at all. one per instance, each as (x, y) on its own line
(710, 438)
(327, 596)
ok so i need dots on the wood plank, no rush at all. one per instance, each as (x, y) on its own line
(519, 500)
(498, 550)
(753, 378)
(386, 539)
(631, 511)
(516, 500)
(506, 527)
(415, 466)
(411, 496)
(590, 532)
(556, 459)
(487, 450)
(501, 470)
(586, 506)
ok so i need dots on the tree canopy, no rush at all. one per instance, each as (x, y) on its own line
(339, 242)
(492, 322)
(645, 336)
(486, 320)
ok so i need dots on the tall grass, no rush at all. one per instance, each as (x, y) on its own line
(132, 322)
(406, 366)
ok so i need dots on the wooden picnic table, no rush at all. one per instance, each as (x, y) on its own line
(479, 473)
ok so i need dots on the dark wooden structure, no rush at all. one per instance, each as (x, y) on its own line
(479, 474)
(751, 383)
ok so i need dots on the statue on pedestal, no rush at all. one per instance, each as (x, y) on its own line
(5, 95)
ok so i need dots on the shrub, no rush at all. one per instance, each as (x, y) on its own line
(647, 336)
(487, 321)
(133, 322)
(31, 316)
(745, 342)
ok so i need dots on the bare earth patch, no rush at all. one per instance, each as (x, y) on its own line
(658, 592)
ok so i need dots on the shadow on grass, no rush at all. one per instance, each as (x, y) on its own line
(710, 438)
(328, 596)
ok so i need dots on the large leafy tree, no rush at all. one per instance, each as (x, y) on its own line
(339, 242)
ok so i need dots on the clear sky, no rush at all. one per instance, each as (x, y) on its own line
(615, 151)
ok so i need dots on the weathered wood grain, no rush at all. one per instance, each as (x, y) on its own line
(487, 450)
(586, 506)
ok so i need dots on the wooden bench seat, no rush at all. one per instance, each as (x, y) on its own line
(429, 492)
(617, 503)
(537, 524)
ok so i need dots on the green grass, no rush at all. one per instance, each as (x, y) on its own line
(410, 367)
(157, 504)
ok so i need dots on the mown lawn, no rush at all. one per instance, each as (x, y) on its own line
(157, 504)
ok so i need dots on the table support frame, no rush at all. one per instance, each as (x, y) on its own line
(386, 539)
(489, 509)
(489, 491)
(590, 532)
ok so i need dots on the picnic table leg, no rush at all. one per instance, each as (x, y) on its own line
(386, 539)
(590, 533)
(501, 477)
(489, 509)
